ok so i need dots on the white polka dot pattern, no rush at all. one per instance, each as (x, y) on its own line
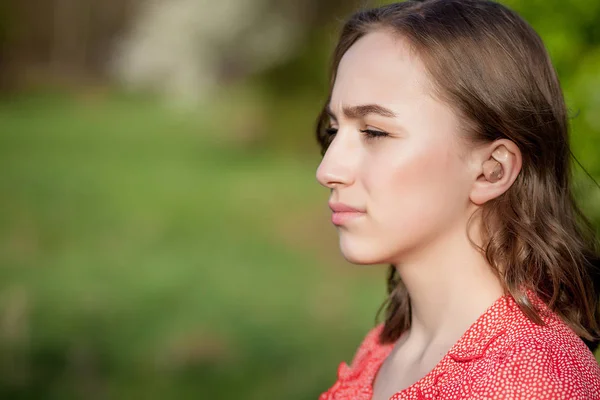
(503, 355)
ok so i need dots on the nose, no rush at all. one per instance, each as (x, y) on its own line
(338, 164)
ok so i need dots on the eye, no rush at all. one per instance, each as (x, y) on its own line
(373, 134)
(331, 131)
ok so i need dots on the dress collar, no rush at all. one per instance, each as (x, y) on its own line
(492, 324)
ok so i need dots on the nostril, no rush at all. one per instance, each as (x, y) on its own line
(334, 171)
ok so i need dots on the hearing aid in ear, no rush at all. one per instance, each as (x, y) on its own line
(492, 169)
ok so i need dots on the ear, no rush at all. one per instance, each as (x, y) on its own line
(496, 166)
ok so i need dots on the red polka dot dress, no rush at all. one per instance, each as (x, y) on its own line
(503, 355)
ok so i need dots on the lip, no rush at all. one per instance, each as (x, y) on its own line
(343, 213)
(341, 207)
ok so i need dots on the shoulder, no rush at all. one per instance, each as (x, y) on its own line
(370, 354)
(540, 362)
(370, 345)
(352, 379)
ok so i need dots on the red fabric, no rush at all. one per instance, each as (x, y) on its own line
(503, 355)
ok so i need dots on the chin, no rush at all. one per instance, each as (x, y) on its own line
(361, 253)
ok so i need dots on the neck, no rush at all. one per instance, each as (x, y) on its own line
(450, 285)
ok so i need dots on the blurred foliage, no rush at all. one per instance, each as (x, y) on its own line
(142, 259)
(150, 254)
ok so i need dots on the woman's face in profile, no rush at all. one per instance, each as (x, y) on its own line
(395, 156)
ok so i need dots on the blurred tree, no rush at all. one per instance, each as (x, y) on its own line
(185, 49)
(68, 40)
(6, 28)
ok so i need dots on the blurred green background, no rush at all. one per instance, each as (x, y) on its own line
(161, 231)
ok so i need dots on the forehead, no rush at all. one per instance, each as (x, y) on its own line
(379, 68)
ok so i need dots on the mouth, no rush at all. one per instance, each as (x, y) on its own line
(343, 213)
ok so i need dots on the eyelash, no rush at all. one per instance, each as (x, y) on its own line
(369, 133)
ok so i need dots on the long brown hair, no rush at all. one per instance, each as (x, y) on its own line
(492, 68)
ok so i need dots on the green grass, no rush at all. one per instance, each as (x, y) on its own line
(141, 257)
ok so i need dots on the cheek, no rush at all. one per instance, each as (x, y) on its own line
(411, 197)
(415, 190)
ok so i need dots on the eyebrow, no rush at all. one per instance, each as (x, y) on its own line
(360, 111)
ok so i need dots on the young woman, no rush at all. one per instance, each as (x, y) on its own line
(446, 150)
